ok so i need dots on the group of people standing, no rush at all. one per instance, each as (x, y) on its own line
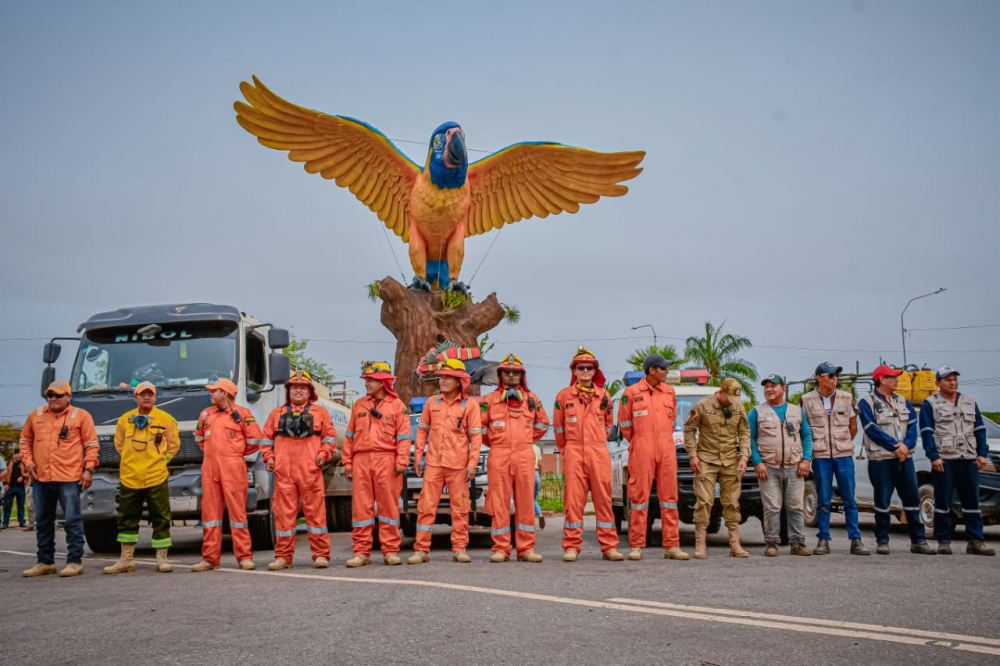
(784, 442)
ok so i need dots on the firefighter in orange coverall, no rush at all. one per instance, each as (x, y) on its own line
(451, 422)
(582, 421)
(646, 420)
(376, 453)
(513, 419)
(226, 432)
(299, 438)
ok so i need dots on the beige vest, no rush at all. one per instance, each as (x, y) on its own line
(831, 432)
(776, 445)
(954, 427)
(893, 424)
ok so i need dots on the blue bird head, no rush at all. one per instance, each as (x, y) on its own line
(447, 157)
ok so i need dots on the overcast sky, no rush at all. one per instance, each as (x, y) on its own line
(810, 167)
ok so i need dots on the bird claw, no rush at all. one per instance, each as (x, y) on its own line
(420, 284)
(459, 287)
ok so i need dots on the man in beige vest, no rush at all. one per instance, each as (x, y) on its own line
(833, 423)
(780, 450)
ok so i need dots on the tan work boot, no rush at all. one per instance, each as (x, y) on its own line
(162, 565)
(321, 562)
(419, 557)
(771, 550)
(461, 556)
(735, 549)
(278, 564)
(39, 570)
(569, 556)
(359, 561)
(700, 547)
(498, 557)
(799, 549)
(71, 569)
(613, 555)
(531, 556)
(204, 566)
(392, 560)
(675, 553)
(248, 565)
(635, 554)
(126, 563)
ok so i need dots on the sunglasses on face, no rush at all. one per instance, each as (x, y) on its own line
(585, 368)
(51, 395)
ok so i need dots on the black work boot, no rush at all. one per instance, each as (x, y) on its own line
(922, 548)
(822, 547)
(859, 548)
(944, 548)
(978, 548)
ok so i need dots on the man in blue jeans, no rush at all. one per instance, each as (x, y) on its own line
(890, 435)
(954, 436)
(14, 486)
(833, 423)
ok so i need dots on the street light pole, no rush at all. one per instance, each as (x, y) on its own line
(650, 327)
(902, 327)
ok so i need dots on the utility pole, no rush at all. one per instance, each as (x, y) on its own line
(902, 326)
(650, 327)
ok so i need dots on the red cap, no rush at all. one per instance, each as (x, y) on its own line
(885, 371)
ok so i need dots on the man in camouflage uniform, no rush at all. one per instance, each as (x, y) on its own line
(711, 432)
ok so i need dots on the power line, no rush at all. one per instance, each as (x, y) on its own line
(424, 143)
(954, 328)
(22, 339)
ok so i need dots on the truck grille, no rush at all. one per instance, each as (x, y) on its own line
(189, 452)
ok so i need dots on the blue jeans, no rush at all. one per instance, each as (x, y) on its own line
(889, 475)
(538, 484)
(963, 476)
(8, 501)
(824, 469)
(67, 494)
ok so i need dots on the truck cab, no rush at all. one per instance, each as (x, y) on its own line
(180, 348)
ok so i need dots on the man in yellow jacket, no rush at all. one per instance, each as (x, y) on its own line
(147, 439)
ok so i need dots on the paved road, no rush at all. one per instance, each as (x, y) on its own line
(833, 610)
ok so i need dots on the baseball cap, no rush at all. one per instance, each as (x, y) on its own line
(656, 361)
(223, 384)
(946, 371)
(732, 387)
(827, 368)
(145, 386)
(774, 379)
(59, 386)
(885, 371)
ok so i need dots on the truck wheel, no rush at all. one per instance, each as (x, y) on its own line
(408, 526)
(262, 530)
(102, 535)
(342, 507)
(619, 512)
(810, 503)
(927, 506)
(714, 524)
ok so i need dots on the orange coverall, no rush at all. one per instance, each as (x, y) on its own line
(646, 419)
(455, 433)
(224, 478)
(298, 477)
(581, 428)
(373, 449)
(509, 429)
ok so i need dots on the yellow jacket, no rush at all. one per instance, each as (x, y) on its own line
(144, 463)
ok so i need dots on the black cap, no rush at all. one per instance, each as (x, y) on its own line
(773, 379)
(827, 368)
(656, 361)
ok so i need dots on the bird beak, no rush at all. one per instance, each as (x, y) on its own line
(455, 155)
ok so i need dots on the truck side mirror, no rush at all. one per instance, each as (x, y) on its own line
(277, 338)
(279, 368)
(48, 376)
(50, 353)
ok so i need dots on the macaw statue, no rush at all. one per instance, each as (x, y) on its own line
(435, 208)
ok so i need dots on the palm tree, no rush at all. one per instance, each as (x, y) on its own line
(666, 351)
(614, 386)
(717, 353)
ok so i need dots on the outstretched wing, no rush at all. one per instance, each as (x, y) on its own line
(535, 179)
(352, 153)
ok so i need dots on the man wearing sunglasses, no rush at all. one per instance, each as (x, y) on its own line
(717, 439)
(831, 416)
(59, 448)
(147, 439)
(582, 420)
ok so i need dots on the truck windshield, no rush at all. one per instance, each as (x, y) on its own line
(192, 354)
(684, 405)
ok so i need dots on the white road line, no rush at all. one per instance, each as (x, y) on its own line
(935, 635)
(720, 615)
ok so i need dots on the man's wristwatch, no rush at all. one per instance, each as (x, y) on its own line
(88, 469)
